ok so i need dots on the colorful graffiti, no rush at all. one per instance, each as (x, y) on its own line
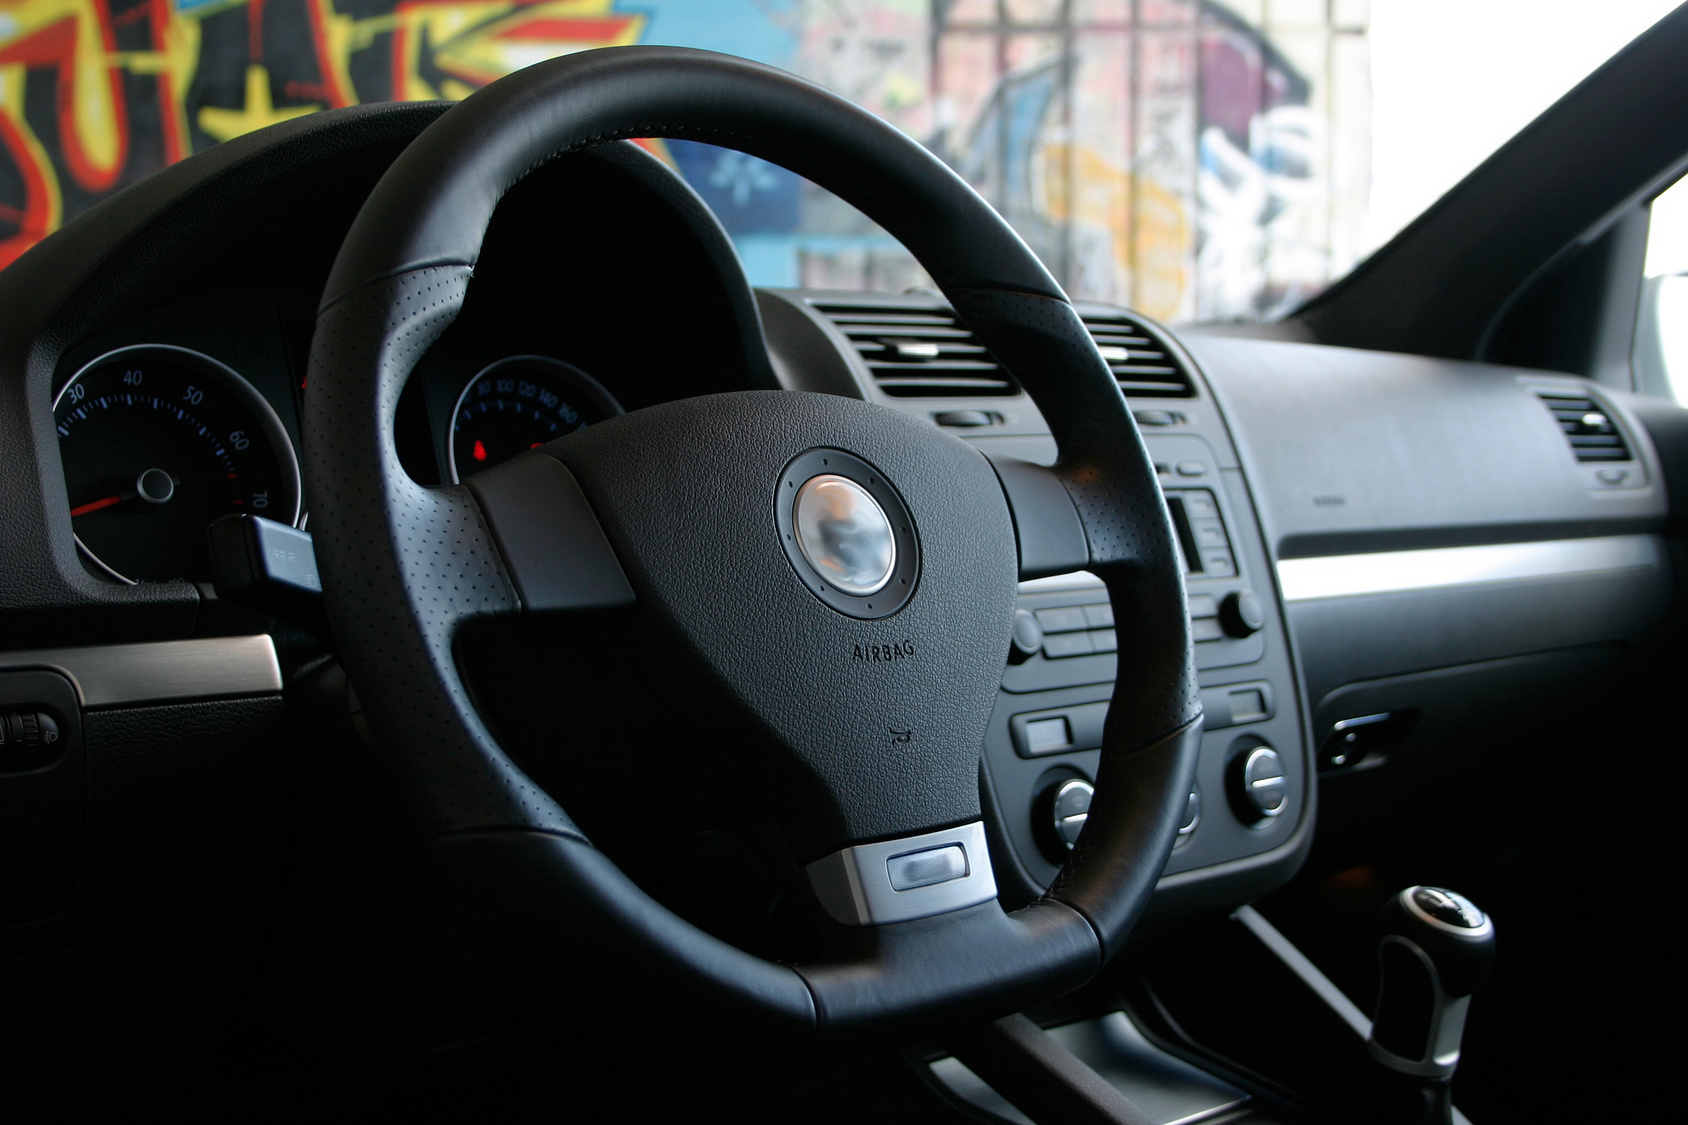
(96, 94)
(1169, 154)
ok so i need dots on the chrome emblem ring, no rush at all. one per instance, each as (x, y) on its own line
(844, 534)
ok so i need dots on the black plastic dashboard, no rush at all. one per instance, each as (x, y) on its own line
(1376, 545)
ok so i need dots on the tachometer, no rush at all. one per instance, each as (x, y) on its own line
(157, 442)
(518, 403)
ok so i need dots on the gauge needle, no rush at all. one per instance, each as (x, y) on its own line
(153, 485)
(96, 505)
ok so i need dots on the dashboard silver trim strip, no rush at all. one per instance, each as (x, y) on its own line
(160, 671)
(1385, 572)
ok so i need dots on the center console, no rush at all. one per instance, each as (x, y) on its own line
(1250, 809)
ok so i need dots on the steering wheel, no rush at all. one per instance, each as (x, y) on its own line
(843, 574)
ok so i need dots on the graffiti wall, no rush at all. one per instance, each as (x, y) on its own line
(1193, 159)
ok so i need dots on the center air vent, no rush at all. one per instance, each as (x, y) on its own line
(1144, 368)
(916, 352)
(1589, 429)
(920, 353)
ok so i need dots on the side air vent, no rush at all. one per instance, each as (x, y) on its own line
(920, 353)
(1592, 434)
(1143, 367)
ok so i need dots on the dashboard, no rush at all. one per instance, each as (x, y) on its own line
(205, 394)
(1396, 566)
(1309, 522)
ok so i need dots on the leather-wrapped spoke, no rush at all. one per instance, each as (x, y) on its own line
(553, 547)
(1047, 528)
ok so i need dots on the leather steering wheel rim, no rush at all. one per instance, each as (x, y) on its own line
(404, 566)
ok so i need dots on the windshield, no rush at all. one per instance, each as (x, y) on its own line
(1199, 160)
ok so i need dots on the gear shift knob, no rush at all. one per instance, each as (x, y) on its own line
(1435, 949)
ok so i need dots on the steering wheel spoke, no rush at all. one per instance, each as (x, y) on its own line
(553, 547)
(1047, 529)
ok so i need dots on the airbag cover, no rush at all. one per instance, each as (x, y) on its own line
(883, 718)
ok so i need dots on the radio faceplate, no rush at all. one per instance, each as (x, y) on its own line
(1047, 729)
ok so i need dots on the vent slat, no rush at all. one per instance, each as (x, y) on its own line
(927, 332)
(1588, 428)
(841, 317)
(954, 363)
(955, 383)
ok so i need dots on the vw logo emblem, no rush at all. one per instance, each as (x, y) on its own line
(844, 534)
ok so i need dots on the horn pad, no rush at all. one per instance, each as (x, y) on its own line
(883, 711)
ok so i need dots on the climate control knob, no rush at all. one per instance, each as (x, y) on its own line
(1072, 809)
(1059, 813)
(1259, 790)
(1026, 639)
(1240, 614)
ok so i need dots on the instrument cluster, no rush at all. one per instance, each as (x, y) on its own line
(158, 441)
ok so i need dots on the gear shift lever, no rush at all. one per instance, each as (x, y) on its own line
(1435, 949)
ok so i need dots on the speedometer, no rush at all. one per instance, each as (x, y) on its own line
(519, 403)
(159, 441)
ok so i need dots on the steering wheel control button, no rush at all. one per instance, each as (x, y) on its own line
(1259, 790)
(927, 868)
(844, 534)
(901, 880)
(847, 533)
(1241, 614)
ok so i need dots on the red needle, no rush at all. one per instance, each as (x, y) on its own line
(96, 505)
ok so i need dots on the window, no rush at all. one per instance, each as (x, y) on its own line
(1661, 336)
